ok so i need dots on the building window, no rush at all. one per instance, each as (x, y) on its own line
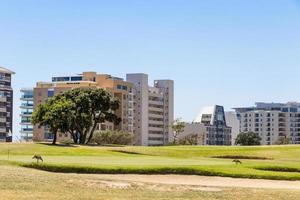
(50, 93)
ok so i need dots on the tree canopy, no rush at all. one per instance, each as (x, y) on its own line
(248, 139)
(178, 127)
(77, 112)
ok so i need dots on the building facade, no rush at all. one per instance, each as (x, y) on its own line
(154, 110)
(6, 105)
(213, 127)
(197, 129)
(233, 121)
(271, 121)
(26, 131)
(145, 111)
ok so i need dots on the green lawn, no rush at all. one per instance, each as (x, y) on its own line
(159, 160)
(17, 183)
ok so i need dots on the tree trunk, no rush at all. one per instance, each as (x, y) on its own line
(74, 137)
(54, 138)
(82, 138)
(91, 133)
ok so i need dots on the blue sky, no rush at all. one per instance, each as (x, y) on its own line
(229, 52)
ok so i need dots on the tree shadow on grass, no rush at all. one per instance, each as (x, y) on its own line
(79, 145)
(59, 145)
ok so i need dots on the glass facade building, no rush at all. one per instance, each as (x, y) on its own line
(26, 114)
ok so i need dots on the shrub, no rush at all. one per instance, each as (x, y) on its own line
(283, 141)
(189, 140)
(248, 139)
(112, 137)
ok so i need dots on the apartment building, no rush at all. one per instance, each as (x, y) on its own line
(211, 126)
(154, 110)
(116, 86)
(271, 121)
(6, 105)
(26, 107)
(233, 121)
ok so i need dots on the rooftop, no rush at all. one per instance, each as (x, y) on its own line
(7, 71)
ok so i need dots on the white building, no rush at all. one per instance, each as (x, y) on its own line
(211, 127)
(271, 121)
(233, 122)
(153, 110)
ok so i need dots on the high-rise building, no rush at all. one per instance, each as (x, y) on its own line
(233, 122)
(116, 86)
(26, 131)
(146, 111)
(154, 110)
(271, 121)
(216, 131)
(6, 105)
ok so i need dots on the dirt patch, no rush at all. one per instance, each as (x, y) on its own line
(201, 182)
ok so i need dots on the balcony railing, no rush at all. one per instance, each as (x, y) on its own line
(25, 121)
(26, 113)
(26, 129)
(27, 105)
(27, 96)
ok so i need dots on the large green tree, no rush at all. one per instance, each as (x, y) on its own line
(77, 112)
(248, 139)
(55, 114)
(92, 106)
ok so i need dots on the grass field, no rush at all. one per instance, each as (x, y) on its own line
(17, 183)
(272, 162)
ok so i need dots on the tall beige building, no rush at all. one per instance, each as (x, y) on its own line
(154, 110)
(116, 86)
(146, 111)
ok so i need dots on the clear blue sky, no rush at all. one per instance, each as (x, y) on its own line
(231, 52)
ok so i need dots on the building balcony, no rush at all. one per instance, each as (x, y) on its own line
(3, 99)
(156, 122)
(26, 106)
(26, 97)
(156, 109)
(25, 123)
(26, 130)
(26, 114)
(2, 130)
(156, 116)
(159, 103)
(155, 129)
